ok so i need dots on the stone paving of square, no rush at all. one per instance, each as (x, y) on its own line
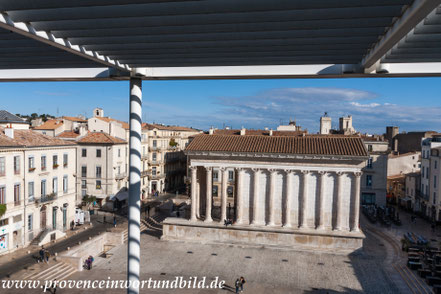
(265, 270)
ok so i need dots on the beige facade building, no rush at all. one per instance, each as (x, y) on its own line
(37, 188)
(163, 160)
(290, 191)
(374, 182)
(102, 166)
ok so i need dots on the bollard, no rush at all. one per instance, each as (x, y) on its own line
(90, 238)
(68, 248)
(79, 242)
(29, 251)
(56, 253)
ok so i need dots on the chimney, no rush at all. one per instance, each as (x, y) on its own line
(243, 131)
(211, 130)
(9, 132)
(271, 132)
(82, 130)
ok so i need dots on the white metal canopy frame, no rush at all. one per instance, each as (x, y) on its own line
(53, 40)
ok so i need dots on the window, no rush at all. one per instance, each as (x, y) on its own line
(154, 171)
(119, 170)
(55, 186)
(2, 166)
(230, 191)
(369, 162)
(154, 144)
(43, 162)
(369, 180)
(370, 148)
(43, 188)
(427, 173)
(2, 195)
(83, 193)
(154, 156)
(215, 176)
(98, 184)
(119, 152)
(434, 197)
(434, 181)
(98, 153)
(31, 163)
(83, 184)
(65, 160)
(4, 222)
(16, 164)
(30, 222)
(143, 150)
(215, 190)
(17, 194)
(65, 182)
(230, 175)
(84, 152)
(435, 164)
(422, 172)
(55, 161)
(31, 191)
(84, 171)
(98, 172)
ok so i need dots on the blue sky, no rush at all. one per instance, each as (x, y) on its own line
(410, 103)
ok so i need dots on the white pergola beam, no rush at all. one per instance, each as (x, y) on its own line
(29, 31)
(410, 18)
(223, 72)
(61, 74)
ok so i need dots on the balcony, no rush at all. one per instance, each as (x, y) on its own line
(121, 176)
(47, 198)
(155, 162)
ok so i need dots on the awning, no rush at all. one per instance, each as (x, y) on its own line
(120, 196)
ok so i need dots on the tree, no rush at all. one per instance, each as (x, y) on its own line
(2, 209)
(173, 143)
(89, 199)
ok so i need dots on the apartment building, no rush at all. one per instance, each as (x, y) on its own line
(374, 178)
(424, 197)
(102, 166)
(412, 188)
(37, 188)
(164, 162)
(62, 127)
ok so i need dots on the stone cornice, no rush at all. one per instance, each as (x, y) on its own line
(276, 155)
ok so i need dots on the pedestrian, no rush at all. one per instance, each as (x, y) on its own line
(47, 254)
(242, 281)
(114, 221)
(72, 225)
(53, 288)
(104, 218)
(89, 262)
(237, 284)
(41, 253)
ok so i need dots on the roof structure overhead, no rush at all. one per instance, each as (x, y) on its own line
(309, 145)
(157, 34)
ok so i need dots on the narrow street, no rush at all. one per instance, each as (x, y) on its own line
(384, 242)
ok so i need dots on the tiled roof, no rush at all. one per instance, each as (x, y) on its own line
(109, 119)
(76, 119)
(50, 124)
(260, 132)
(100, 138)
(147, 126)
(7, 117)
(68, 134)
(314, 145)
(29, 138)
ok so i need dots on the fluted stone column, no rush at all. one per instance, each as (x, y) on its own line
(304, 210)
(356, 208)
(256, 198)
(239, 196)
(193, 192)
(209, 181)
(198, 199)
(338, 224)
(273, 174)
(288, 199)
(321, 204)
(224, 179)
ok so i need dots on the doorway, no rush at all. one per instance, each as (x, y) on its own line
(43, 217)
